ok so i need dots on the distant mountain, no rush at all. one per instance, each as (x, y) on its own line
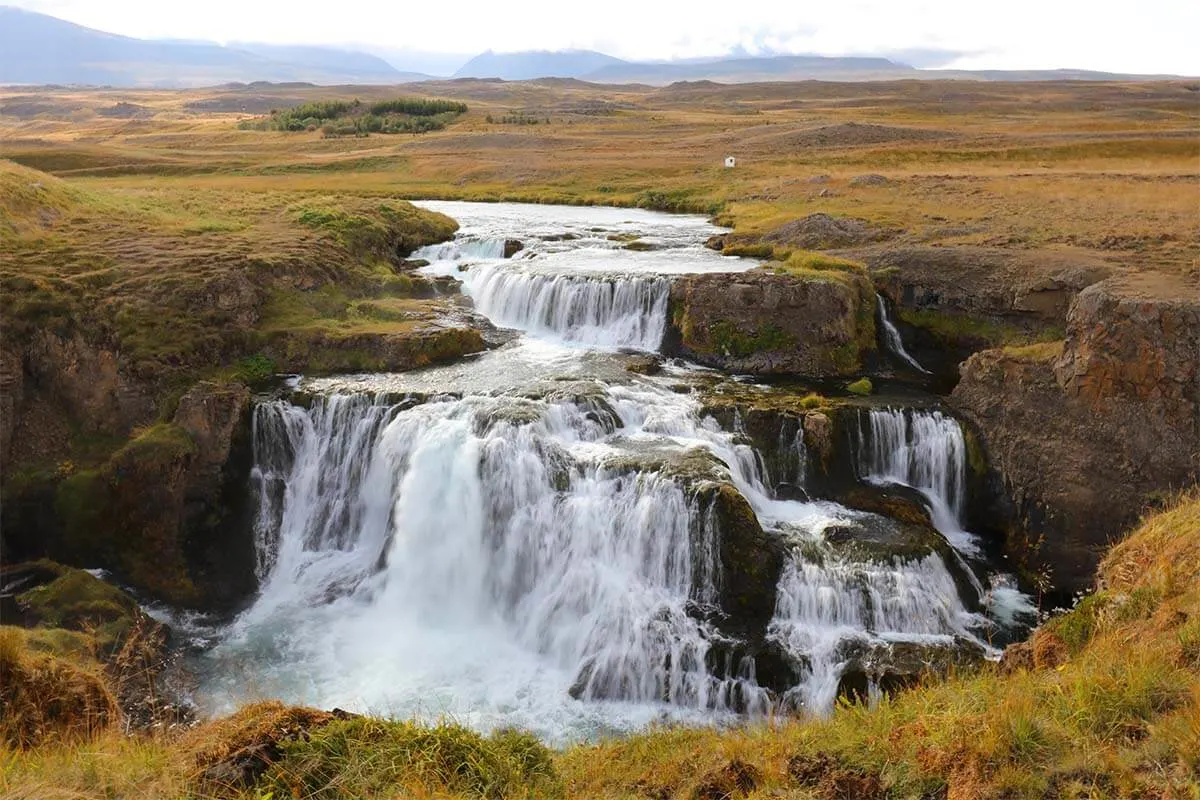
(36, 49)
(334, 60)
(745, 70)
(536, 64)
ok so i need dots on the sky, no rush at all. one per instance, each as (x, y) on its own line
(1141, 36)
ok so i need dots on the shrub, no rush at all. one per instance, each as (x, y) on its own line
(862, 386)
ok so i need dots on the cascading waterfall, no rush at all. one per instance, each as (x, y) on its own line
(495, 519)
(599, 310)
(534, 557)
(891, 336)
(466, 249)
(823, 607)
(924, 449)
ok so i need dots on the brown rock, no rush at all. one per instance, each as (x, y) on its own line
(761, 322)
(1083, 442)
(818, 434)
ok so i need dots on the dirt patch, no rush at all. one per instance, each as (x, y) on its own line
(735, 779)
(830, 780)
(824, 232)
(854, 134)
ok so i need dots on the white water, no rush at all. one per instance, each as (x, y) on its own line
(604, 311)
(518, 554)
(891, 336)
(927, 451)
(574, 281)
(822, 607)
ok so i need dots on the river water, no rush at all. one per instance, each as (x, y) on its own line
(526, 537)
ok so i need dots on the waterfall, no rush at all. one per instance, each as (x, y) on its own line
(821, 608)
(598, 309)
(492, 531)
(891, 336)
(922, 449)
(463, 249)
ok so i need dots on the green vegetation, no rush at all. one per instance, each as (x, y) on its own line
(729, 339)
(384, 231)
(77, 601)
(862, 386)
(346, 118)
(959, 329)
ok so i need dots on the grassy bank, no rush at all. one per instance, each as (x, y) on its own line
(1103, 702)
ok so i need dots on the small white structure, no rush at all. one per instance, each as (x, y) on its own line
(730, 162)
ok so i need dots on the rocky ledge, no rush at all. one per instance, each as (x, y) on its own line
(1086, 435)
(774, 321)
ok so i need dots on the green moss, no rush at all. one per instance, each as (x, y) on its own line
(725, 337)
(76, 600)
(254, 369)
(386, 231)
(366, 757)
(862, 386)
(755, 250)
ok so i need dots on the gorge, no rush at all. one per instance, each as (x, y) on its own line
(562, 536)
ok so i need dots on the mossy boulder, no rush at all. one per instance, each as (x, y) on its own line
(77, 600)
(751, 560)
(332, 351)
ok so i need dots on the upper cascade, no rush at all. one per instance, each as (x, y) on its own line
(599, 310)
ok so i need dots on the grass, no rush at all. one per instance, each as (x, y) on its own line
(1115, 715)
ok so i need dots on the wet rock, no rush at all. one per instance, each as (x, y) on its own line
(716, 242)
(751, 561)
(512, 247)
(818, 434)
(644, 364)
(895, 665)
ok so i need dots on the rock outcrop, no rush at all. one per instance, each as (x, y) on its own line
(166, 513)
(766, 322)
(1084, 437)
(955, 301)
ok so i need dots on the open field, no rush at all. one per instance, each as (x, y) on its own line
(1113, 168)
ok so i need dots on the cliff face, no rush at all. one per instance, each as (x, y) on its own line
(1085, 437)
(765, 323)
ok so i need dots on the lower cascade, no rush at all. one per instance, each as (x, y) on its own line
(552, 562)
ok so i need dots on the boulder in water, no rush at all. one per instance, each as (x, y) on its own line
(512, 247)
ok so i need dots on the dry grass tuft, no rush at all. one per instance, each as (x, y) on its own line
(47, 698)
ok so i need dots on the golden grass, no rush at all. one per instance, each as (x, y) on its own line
(1109, 166)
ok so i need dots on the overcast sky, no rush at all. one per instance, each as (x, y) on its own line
(1131, 36)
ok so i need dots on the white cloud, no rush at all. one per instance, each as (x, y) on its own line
(1147, 36)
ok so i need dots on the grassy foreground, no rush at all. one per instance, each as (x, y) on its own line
(1103, 701)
